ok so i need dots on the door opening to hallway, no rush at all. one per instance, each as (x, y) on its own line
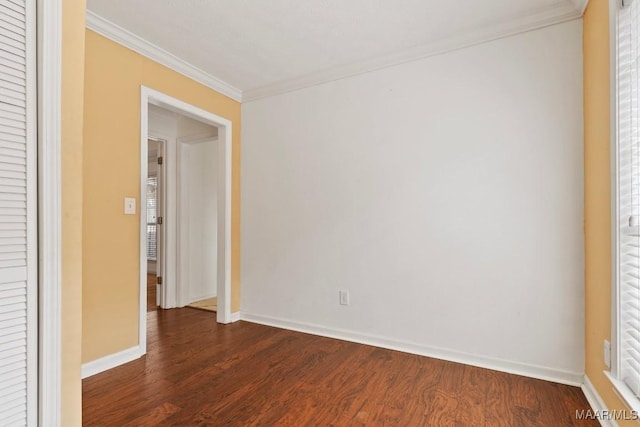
(154, 204)
(185, 209)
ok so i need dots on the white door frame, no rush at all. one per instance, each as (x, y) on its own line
(49, 70)
(160, 200)
(150, 96)
(160, 196)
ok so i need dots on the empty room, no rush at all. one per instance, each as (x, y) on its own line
(284, 213)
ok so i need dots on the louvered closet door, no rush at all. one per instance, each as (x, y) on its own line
(18, 260)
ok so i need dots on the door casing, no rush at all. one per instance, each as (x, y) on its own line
(148, 97)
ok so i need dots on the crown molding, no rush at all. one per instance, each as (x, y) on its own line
(131, 41)
(549, 16)
(570, 10)
(580, 5)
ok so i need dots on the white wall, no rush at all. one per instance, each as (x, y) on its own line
(199, 227)
(446, 195)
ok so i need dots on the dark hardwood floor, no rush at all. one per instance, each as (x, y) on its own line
(151, 293)
(200, 373)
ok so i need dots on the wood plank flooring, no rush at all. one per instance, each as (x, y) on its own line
(151, 293)
(209, 304)
(200, 373)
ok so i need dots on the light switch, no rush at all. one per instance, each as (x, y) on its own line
(129, 206)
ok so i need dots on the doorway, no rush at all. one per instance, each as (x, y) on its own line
(154, 246)
(193, 242)
(198, 216)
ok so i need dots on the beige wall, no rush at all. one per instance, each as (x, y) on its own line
(73, 34)
(113, 76)
(597, 196)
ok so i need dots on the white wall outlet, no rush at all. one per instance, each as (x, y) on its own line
(344, 297)
(607, 353)
(129, 206)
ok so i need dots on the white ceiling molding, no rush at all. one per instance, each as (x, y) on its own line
(560, 12)
(126, 38)
(550, 16)
(580, 5)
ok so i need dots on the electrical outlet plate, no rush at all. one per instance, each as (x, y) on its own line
(344, 297)
(607, 353)
(129, 206)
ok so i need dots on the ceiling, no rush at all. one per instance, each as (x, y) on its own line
(186, 127)
(258, 48)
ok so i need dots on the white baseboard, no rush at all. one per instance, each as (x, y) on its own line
(111, 361)
(235, 316)
(596, 402)
(518, 368)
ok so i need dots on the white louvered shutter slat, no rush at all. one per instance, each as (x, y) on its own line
(15, 6)
(152, 212)
(10, 47)
(7, 135)
(17, 117)
(16, 13)
(12, 123)
(18, 268)
(629, 193)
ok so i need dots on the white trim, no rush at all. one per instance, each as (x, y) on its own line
(596, 402)
(150, 96)
(518, 368)
(49, 17)
(549, 16)
(580, 5)
(224, 245)
(235, 316)
(615, 196)
(144, 168)
(624, 393)
(126, 38)
(32, 255)
(32, 212)
(556, 14)
(166, 202)
(111, 361)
